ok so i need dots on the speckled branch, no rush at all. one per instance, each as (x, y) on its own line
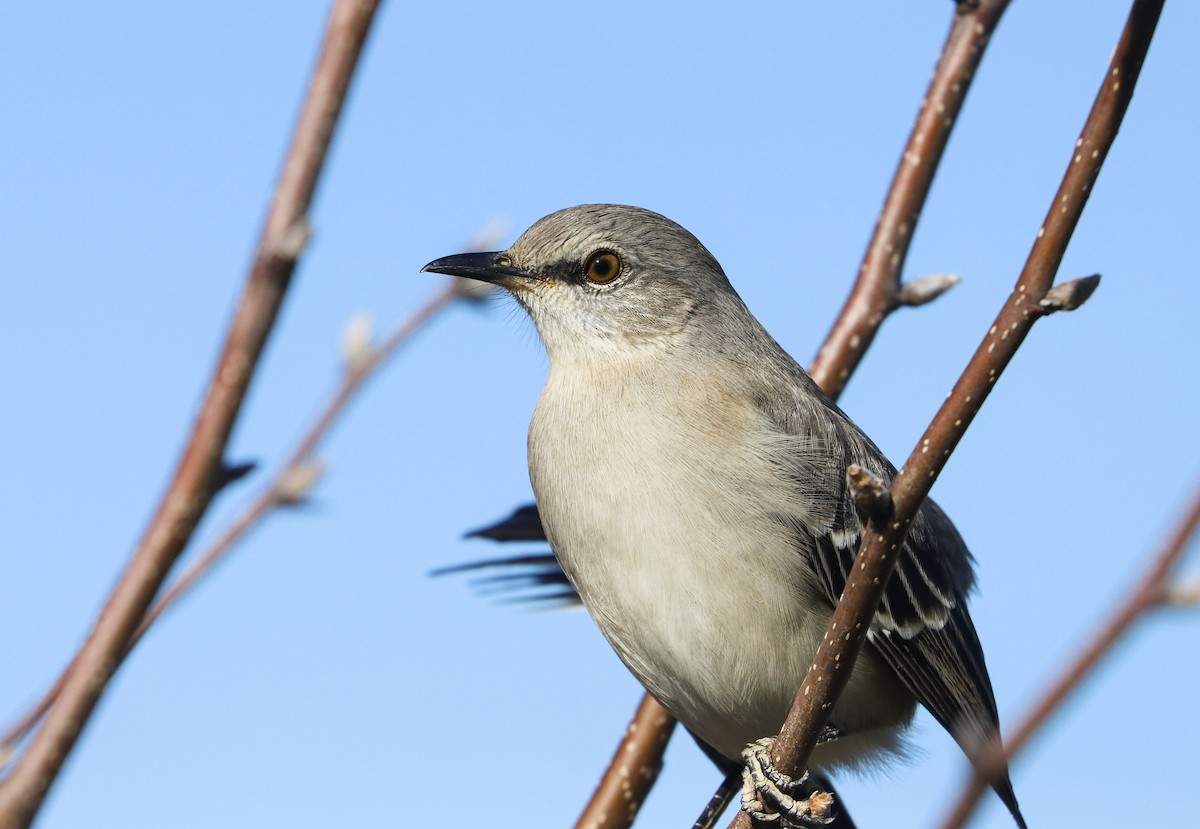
(1149, 594)
(843, 641)
(878, 291)
(198, 473)
(633, 770)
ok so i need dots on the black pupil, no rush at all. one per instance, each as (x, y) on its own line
(602, 266)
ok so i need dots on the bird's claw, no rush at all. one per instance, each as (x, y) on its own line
(771, 797)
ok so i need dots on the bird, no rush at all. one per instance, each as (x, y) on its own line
(691, 480)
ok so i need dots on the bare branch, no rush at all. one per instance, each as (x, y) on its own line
(1143, 598)
(877, 291)
(633, 770)
(851, 620)
(198, 472)
(290, 487)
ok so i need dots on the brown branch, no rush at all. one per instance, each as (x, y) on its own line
(851, 620)
(1148, 595)
(289, 487)
(633, 770)
(196, 476)
(877, 291)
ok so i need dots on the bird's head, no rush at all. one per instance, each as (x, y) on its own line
(604, 278)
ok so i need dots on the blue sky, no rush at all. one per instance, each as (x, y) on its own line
(321, 677)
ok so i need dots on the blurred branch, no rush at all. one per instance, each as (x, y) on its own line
(198, 472)
(1146, 596)
(852, 619)
(288, 488)
(877, 291)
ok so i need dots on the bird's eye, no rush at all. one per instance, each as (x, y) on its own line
(602, 266)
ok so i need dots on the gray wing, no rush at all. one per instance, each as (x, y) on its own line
(924, 632)
(922, 628)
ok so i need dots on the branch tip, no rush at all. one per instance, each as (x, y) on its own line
(294, 484)
(1067, 296)
(1186, 594)
(871, 494)
(925, 289)
(358, 342)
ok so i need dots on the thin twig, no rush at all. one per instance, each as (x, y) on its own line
(276, 493)
(851, 620)
(198, 472)
(287, 488)
(878, 291)
(1146, 596)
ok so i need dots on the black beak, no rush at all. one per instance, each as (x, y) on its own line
(486, 267)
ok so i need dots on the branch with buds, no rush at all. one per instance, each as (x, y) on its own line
(200, 472)
(864, 589)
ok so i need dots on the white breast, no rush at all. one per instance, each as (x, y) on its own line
(659, 515)
(663, 515)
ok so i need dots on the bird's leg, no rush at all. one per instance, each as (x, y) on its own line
(769, 796)
(712, 812)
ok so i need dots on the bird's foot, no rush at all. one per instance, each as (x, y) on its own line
(771, 797)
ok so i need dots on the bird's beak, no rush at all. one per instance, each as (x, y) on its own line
(493, 267)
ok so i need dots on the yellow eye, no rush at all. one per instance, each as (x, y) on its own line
(603, 266)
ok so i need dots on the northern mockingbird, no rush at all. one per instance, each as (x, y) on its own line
(691, 479)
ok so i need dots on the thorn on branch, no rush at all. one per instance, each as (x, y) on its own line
(925, 289)
(871, 494)
(294, 484)
(1067, 296)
